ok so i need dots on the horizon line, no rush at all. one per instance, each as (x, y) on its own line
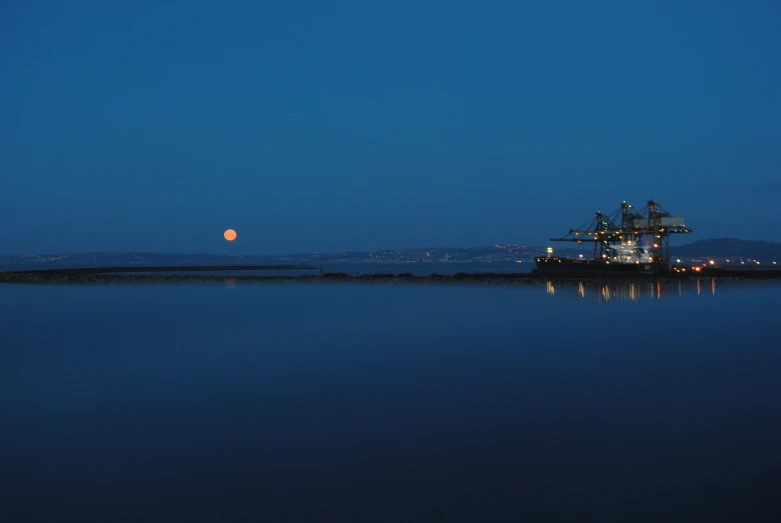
(530, 246)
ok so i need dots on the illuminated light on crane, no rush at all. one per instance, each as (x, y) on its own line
(619, 236)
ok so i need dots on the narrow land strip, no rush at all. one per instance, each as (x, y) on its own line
(112, 275)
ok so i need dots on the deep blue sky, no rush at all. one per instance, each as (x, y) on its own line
(356, 125)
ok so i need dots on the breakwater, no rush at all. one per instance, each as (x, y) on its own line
(149, 276)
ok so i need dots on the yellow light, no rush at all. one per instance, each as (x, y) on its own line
(712, 262)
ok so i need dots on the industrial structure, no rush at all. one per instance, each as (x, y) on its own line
(623, 240)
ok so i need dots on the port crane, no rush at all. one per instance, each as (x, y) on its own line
(650, 227)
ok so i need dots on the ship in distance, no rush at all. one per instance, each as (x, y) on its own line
(625, 241)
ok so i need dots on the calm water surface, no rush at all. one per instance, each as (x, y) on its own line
(350, 402)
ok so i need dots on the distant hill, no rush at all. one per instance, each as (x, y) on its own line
(717, 248)
(729, 248)
(491, 253)
(103, 259)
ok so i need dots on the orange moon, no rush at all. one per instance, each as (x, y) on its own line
(230, 235)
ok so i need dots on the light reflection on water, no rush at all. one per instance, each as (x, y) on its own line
(628, 291)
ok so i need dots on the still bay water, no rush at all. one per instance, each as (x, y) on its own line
(390, 402)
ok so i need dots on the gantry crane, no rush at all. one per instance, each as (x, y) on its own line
(652, 225)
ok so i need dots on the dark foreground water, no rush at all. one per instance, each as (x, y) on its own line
(394, 403)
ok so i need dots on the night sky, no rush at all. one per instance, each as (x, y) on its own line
(324, 125)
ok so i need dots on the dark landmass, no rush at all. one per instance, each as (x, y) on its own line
(87, 271)
(719, 249)
(729, 248)
(494, 253)
(107, 277)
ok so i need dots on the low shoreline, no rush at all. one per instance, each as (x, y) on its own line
(83, 271)
(81, 277)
